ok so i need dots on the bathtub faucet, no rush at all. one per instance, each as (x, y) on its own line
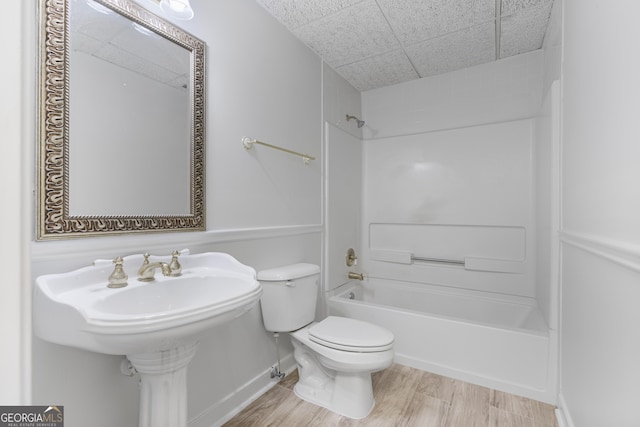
(358, 276)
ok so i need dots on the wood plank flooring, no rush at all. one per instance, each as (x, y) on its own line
(405, 397)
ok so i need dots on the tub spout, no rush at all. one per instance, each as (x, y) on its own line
(358, 276)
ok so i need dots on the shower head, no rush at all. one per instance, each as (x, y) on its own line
(359, 122)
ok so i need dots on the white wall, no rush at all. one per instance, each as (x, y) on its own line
(17, 88)
(455, 150)
(265, 84)
(454, 194)
(264, 207)
(509, 89)
(340, 99)
(600, 237)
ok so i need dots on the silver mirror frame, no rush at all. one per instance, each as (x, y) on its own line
(53, 218)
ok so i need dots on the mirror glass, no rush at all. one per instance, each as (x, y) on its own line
(122, 144)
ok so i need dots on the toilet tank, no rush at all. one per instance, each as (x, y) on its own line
(289, 296)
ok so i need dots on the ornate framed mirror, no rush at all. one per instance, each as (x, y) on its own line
(122, 121)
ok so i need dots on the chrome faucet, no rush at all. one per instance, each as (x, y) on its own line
(148, 270)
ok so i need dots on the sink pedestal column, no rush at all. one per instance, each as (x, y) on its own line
(163, 386)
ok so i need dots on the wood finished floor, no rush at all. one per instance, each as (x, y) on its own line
(404, 397)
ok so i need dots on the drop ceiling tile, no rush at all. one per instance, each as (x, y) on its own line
(512, 6)
(438, 36)
(524, 31)
(83, 43)
(98, 26)
(417, 20)
(154, 49)
(135, 64)
(382, 70)
(464, 48)
(181, 82)
(295, 13)
(350, 35)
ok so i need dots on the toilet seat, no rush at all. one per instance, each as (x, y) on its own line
(351, 335)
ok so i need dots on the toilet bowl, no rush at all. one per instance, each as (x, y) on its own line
(339, 379)
(336, 356)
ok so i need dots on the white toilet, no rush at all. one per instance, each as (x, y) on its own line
(336, 356)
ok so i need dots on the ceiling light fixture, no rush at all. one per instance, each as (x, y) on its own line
(179, 9)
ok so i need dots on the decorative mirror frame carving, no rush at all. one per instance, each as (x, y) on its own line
(53, 219)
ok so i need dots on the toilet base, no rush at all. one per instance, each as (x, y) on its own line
(346, 393)
(339, 395)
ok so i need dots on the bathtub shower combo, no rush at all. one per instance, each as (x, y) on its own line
(455, 255)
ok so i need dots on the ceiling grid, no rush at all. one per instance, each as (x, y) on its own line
(376, 43)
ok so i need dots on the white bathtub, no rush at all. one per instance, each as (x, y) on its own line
(495, 341)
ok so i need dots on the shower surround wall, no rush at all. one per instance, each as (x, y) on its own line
(449, 163)
(453, 195)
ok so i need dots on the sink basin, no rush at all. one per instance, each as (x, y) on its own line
(77, 308)
(156, 324)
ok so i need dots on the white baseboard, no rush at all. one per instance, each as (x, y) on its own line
(562, 413)
(222, 411)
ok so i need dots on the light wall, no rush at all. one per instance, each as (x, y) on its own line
(265, 84)
(509, 89)
(449, 158)
(263, 206)
(16, 109)
(600, 234)
(460, 194)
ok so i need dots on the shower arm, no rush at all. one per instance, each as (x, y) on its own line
(359, 122)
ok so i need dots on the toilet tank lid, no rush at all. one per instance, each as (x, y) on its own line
(288, 272)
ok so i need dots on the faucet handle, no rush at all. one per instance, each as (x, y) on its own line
(145, 262)
(118, 278)
(174, 266)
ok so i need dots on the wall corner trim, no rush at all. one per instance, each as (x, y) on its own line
(562, 414)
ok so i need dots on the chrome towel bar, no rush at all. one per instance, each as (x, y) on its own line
(248, 144)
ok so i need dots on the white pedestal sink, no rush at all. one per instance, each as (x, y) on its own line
(155, 324)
